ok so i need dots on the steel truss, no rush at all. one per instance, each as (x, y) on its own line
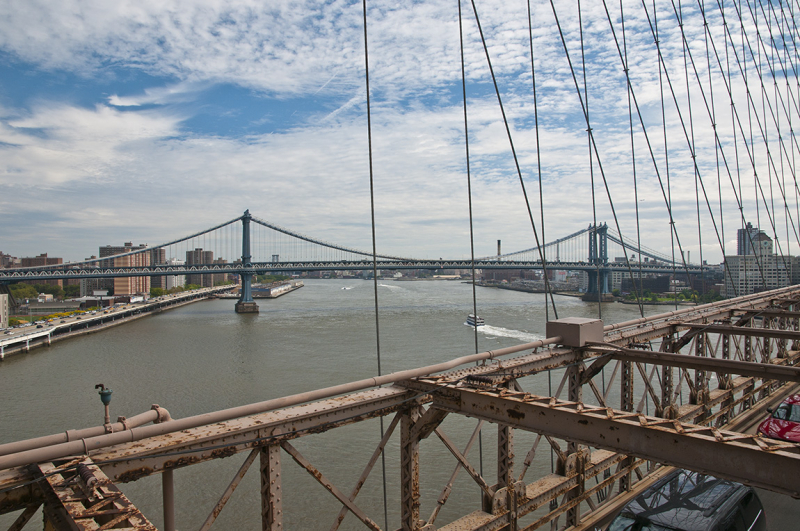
(609, 434)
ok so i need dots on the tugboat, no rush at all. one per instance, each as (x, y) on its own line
(474, 320)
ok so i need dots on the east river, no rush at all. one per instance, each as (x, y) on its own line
(204, 357)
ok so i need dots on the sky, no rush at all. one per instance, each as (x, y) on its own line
(146, 121)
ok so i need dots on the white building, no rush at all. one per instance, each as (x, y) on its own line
(176, 280)
(759, 271)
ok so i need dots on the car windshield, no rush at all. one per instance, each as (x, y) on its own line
(787, 412)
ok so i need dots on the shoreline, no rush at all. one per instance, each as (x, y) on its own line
(23, 347)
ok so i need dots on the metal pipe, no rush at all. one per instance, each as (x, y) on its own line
(157, 414)
(84, 446)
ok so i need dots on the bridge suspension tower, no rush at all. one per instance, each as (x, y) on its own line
(246, 304)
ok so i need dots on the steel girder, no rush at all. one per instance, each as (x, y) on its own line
(80, 497)
(768, 371)
(764, 463)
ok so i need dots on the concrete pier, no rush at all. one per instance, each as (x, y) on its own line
(246, 307)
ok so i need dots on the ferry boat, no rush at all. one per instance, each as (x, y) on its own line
(474, 320)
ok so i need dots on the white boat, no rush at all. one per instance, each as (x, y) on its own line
(474, 320)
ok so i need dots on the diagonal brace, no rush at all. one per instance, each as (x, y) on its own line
(330, 487)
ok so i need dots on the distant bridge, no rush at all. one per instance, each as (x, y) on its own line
(584, 250)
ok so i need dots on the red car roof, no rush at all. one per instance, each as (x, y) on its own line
(785, 430)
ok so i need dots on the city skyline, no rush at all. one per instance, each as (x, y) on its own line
(146, 122)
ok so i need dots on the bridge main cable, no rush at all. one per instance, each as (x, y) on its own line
(324, 243)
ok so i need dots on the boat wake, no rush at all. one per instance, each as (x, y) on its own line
(497, 331)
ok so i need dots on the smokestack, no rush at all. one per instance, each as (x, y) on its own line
(498, 249)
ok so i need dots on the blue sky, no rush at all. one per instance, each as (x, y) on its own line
(144, 121)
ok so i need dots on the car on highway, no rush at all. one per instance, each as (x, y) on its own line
(784, 421)
(689, 501)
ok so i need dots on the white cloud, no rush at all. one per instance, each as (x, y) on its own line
(171, 94)
(313, 176)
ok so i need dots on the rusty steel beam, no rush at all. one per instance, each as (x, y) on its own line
(271, 488)
(84, 498)
(741, 303)
(329, 486)
(770, 312)
(741, 331)
(23, 519)
(767, 371)
(760, 462)
(448, 489)
(84, 446)
(365, 474)
(229, 490)
(134, 460)
(409, 471)
(462, 460)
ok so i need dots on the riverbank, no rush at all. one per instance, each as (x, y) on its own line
(528, 289)
(24, 340)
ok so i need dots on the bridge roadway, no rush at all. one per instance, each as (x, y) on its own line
(66, 271)
(605, 454)
(24, 338)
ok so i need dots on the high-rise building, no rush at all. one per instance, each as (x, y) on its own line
(126, 285)
(200, 257)
(749, 274)
(158, 256)
(6, 260)
(749, 240)
(42, 260)
(219, 278)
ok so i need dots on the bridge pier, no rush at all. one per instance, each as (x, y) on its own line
(246, 304)
(598, 255)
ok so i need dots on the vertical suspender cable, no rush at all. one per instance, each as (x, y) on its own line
(469, 202)
(539, 163)
(593, 234)
(469, 178)
(539, 245)
(666, 144)
(685, 45)
(592, 141)
(706, 32)
(374, 249)
(639, 290)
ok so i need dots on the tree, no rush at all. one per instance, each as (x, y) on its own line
(156, 292)
(72, 291)
(23, 291)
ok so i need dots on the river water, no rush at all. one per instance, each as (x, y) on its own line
(204, 357)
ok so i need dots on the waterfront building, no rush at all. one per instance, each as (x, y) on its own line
(158, 257)
(125, 285)
(3, 310)
(759, 269)
(218, 279)
(42, 260)
(173, 281)
(6, 260)
(198, 257)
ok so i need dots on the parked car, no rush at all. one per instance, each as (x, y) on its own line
(784, 421)
(689, 501)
